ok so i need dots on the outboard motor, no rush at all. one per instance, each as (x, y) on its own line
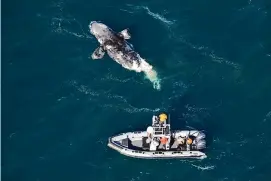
(201, 144)
(200, 136)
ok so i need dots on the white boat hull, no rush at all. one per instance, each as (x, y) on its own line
(117, 143)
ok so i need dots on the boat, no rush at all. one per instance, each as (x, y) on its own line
(159, 141)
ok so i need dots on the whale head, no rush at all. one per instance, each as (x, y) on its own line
(100, 31)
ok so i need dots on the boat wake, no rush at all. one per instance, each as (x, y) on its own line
(158, 17)
(204, 167)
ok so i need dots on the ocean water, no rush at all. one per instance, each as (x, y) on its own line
(59, 107)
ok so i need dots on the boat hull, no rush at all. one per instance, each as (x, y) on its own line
(114, 143)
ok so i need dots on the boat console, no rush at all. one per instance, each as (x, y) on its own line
(159, 133)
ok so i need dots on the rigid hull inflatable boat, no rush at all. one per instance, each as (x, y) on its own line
(159, 141)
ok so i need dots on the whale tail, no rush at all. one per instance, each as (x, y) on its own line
(98, 53)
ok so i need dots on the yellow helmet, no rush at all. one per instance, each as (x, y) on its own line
(163, 117)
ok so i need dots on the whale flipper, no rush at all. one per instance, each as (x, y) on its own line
(125, 34)
(98, 53)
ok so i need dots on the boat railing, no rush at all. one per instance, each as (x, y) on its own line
(136, 132)
(119, 134)
(119, 146)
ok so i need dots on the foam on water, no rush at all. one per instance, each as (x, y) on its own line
(152, 76)
(149, 72)
(143, 66)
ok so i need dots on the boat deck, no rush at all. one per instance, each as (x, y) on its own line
(135, 144)
(141, 144)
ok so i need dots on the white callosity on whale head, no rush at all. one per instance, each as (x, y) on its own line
(97, 28)
(100, 31)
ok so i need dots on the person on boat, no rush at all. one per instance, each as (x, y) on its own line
(155, 119)
(180, 140)
(162, 118)
(149, 132)
(163, 141)
(189, 141)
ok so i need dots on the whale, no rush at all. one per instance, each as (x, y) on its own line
(115, 44)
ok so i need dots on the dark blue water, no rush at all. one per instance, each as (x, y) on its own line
(59, 106)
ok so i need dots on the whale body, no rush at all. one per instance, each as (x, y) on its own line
(117, 47)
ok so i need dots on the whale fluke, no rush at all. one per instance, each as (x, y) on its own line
(98, 53)
(125, 34)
